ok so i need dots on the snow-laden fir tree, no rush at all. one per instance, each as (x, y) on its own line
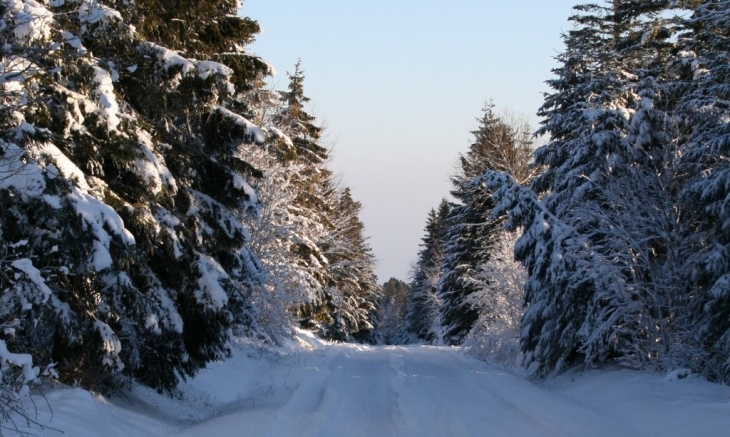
(421, 321)
(123, 254)
(300, 125)
(307, 232)
(470, 229)
(352, 290)
(705, 112)
(392, 310)
(576, 299)
(467, 241)
(275, 228)
(600, 246)
(314, 198)
(495, 335)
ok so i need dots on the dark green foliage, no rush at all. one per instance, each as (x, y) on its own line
(704, 111)
(134, 227)
(624, 234)
(470, 229)
(465, 249)
(422, 309)
(352, 282)
(126, 172)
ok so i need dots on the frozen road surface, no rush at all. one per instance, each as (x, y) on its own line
(346, 390)
(340, 390)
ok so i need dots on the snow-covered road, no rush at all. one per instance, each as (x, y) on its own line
(346, 390)
(341, 390)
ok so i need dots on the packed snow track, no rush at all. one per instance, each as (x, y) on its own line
(347, 390)
(312, 388)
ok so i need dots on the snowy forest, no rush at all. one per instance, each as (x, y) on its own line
(610, 243)
(159, 199)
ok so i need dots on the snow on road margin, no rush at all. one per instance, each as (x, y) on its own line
(78, 413)
(662, 406)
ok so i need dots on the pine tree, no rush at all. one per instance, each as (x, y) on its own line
(421, 319)
(471, 231)
(704, 164)
(392, 310)
(353, 287)
(599, 246)
(124, 185)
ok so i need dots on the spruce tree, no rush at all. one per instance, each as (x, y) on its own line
(466, 247)
(470, 228)
(314, 189)
(495, 335)
(704, 164)
(600, 245)
(421, 319)
(392, 310)
(353, 290)
(122, 135)
(294, 120)
(276, 226)
(587, 118)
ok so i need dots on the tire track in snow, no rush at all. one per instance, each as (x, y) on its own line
(296, 390)
(404, 391)
(360, 392)
(442, 393)
(554, 413)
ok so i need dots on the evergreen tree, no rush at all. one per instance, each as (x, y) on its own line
(274, 228)
(470, 230)
(316, 256)
(121, 137)
(423, 304)
(392, 310)
(587, 118)
(600, 246)
(315, 193)
(502, 142)
(704, 165)
(495, 335)
(466, 247)
(353, 288)
(296, 122)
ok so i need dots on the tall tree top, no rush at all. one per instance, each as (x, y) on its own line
(297, 123)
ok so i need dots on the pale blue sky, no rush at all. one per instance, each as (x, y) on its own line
(399, 84)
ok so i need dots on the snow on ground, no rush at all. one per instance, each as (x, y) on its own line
(75, 412)
(319, 389)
